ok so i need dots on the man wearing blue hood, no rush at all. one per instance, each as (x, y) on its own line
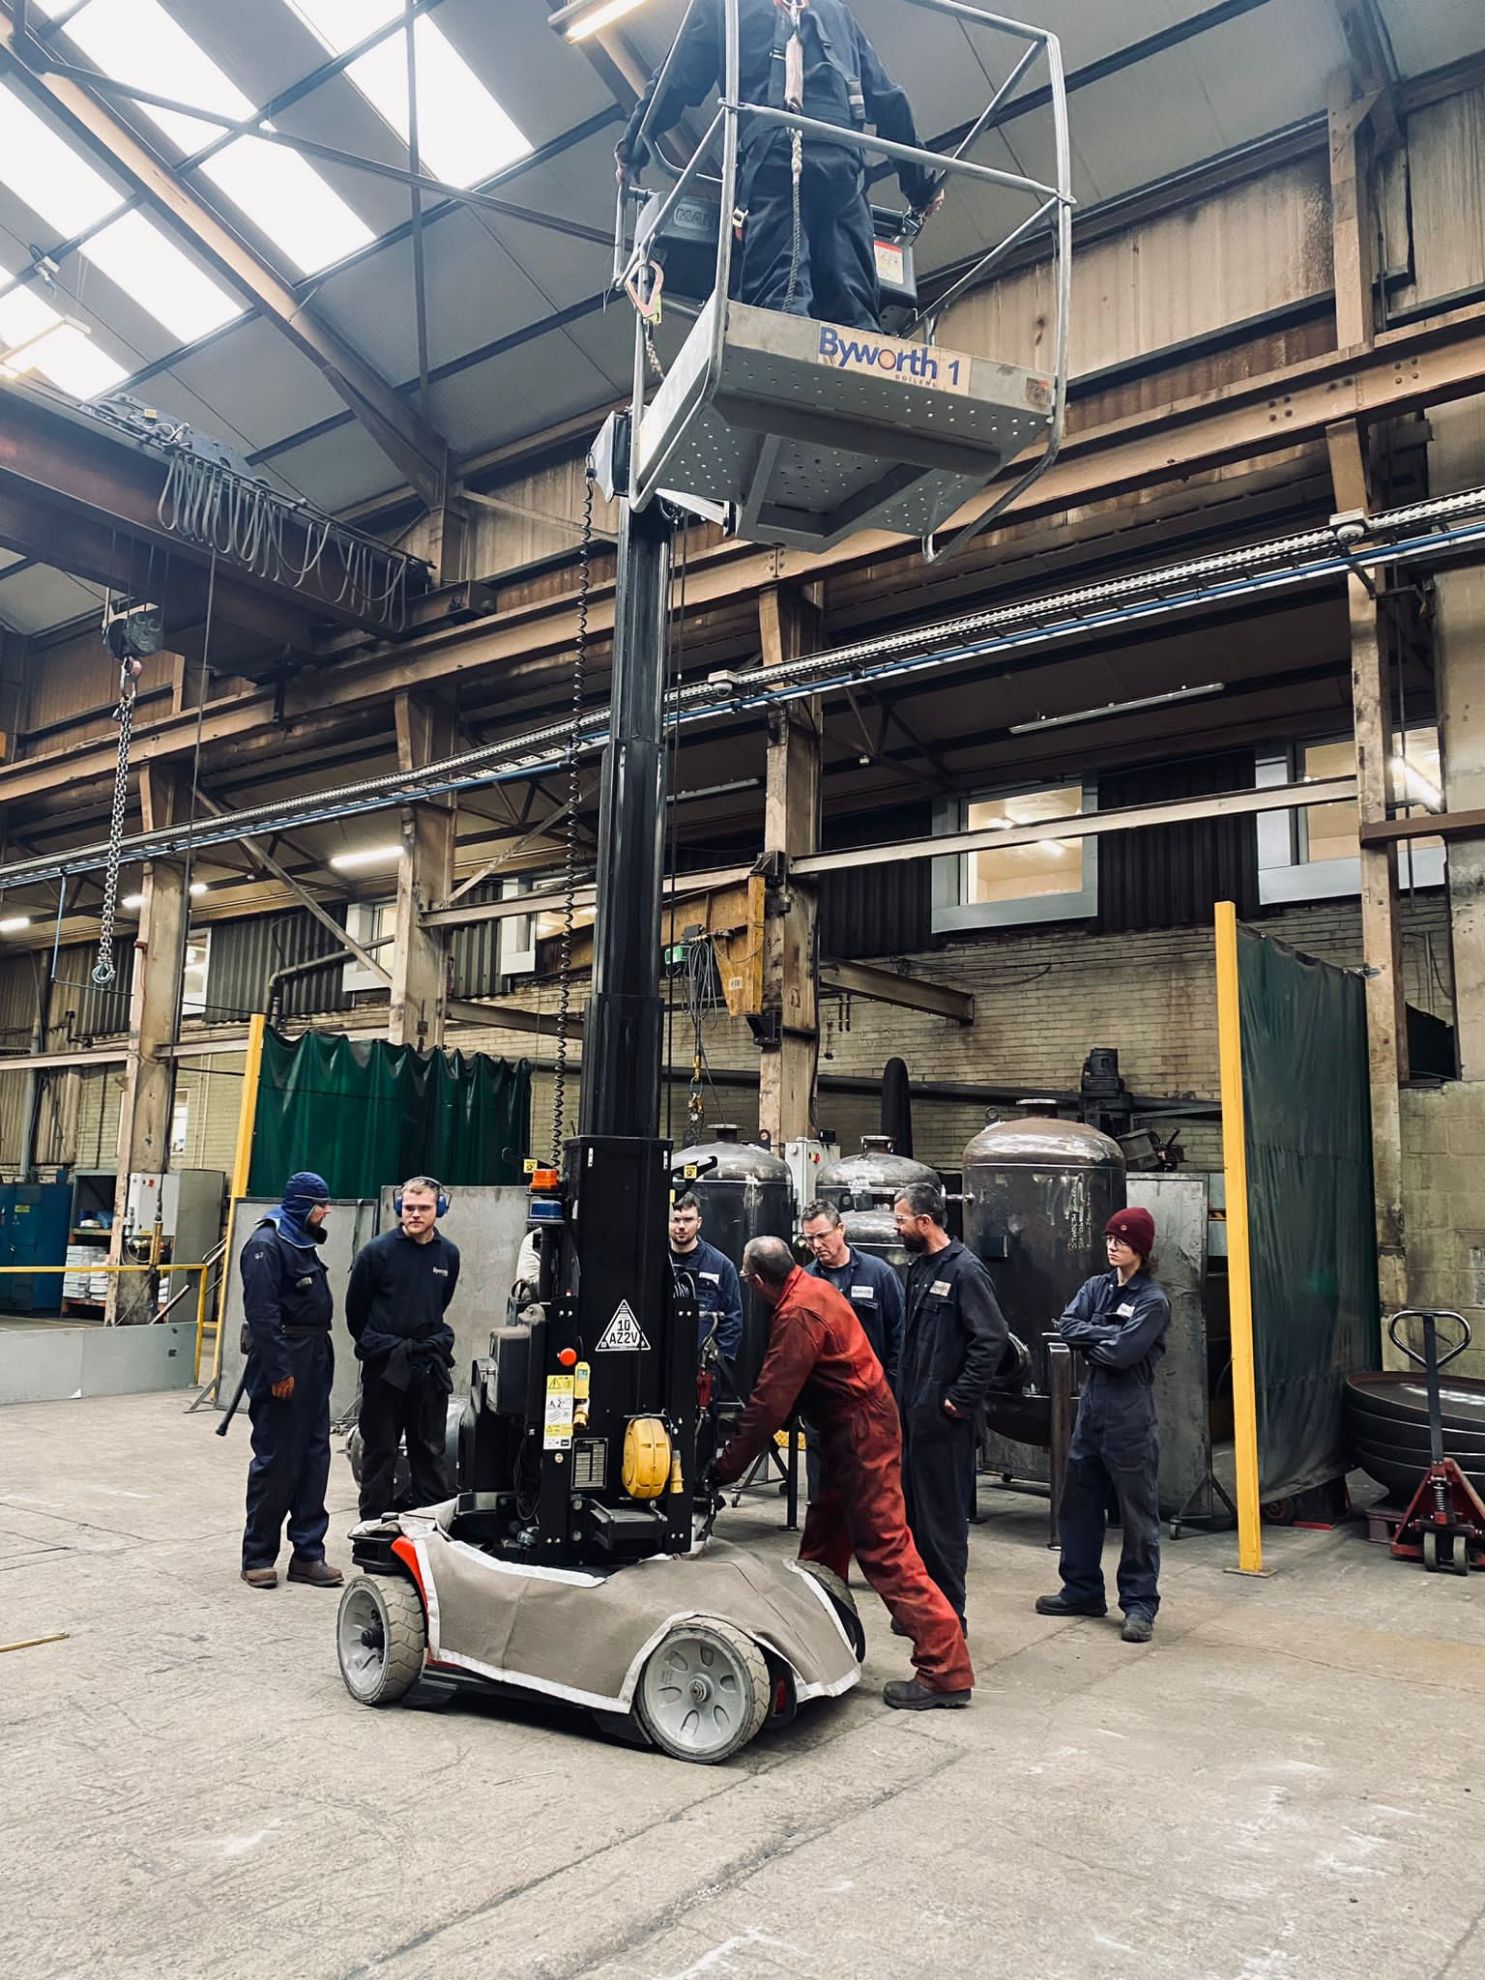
(291, 1363)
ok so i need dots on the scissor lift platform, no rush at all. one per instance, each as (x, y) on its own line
(813, 431)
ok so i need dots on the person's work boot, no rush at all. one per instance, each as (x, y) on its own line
(260, 1577)
(1138, 1627)
(1059, 1605)
(318, 1574)
(912, 1695)
(898, 1629)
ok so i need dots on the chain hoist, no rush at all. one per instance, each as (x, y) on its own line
(105, 971)
(570, 836)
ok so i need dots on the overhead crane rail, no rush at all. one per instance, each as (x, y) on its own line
(1435, 529)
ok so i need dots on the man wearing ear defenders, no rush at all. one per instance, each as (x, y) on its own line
(400, 1288)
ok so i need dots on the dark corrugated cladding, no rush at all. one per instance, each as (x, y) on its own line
(474, 950)
(877, 910)
(1169, 876)
(244, 955)
(77, 1008)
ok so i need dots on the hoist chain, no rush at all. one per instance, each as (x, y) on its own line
(104, 969)
(574, 794)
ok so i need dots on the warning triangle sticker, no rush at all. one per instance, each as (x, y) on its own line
(623, 1334)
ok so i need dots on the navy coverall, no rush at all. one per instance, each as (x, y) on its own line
(1115, 1443)
(874, 1293)
(398, 1294)
(288, 1306)
(954, 1342)
(718, 1295)
(845, 85)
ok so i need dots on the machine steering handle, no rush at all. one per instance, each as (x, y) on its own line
(1429, 1313)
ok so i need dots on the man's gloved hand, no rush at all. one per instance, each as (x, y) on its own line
(283, 1391)
(922, 213)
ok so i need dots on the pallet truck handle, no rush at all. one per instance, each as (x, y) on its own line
(1434, 1314)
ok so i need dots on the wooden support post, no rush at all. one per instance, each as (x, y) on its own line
(789, 621)
(425, 874)
(149, 1072)
(1354, 235)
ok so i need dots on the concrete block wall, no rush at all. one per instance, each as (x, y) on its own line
(1444, 1204)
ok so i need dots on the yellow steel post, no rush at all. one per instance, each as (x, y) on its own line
(242, 1161)
(1239, 1258)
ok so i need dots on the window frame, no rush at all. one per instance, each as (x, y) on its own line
(1286, 873)
(954, 915)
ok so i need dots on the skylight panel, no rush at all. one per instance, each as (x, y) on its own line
(136, 41)
(55, 181)
(463, 134)
(34, 338)
(147, 265)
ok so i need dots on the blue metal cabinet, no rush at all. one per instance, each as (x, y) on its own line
(34, 1221)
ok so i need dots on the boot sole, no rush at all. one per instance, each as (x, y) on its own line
(940, 1702)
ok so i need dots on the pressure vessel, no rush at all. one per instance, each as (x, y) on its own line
(744, 1192)
(862, 1187)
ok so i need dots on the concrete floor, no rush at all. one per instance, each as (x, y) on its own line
(1285, 1786)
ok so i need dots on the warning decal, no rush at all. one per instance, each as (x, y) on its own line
(557, 1431)
(623, 1334)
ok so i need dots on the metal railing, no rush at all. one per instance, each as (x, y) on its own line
(91, 1271)
(1054, 208)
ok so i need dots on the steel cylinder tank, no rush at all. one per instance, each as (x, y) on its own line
(1038, 1193)
(749, 1193)
(862, 1187)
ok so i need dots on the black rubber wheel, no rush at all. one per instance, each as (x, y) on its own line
(380, 1638)
(842, 1601)
(704, 1692)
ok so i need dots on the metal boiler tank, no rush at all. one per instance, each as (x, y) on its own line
(862, 1187)
(748, 1193)
(1038, 1193)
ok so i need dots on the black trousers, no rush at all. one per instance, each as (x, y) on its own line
(417, 1414)
(938, 1480)
(836, 279)
(1115, 1451)
(291, 1456)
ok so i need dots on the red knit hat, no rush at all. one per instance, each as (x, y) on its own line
(1136, 1227)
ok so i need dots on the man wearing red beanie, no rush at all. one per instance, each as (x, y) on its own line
(1119, 1321)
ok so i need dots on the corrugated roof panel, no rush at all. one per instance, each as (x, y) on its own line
(254, 378)
(476, 292)
(1426, 37)
(38, 597)
(517, 394)
(339, 468)
(546, 83)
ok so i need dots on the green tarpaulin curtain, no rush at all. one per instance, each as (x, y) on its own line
(363, 1113)
(1313, 1235)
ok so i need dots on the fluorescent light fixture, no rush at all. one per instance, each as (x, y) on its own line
(1423, 788)
(585, 17)
(1117, 708)
(199, 887)
(463, 134)
(367, 856)
(137, 41)
(13, 923)
(132, 901)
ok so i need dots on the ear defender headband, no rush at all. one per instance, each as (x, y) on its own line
(444, 1199)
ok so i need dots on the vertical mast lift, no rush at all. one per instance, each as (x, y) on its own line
(566, 1563)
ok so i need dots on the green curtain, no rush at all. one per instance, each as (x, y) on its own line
(1316, 1305)
(363, 1113)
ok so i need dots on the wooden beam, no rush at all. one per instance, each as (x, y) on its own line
(1428, 825)
(418, 451)
(886, 986)
(1404, 371)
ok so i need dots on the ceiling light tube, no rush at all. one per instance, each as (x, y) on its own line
(585, 17)
(1117, 708)
(13, 923)
(347, 862)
